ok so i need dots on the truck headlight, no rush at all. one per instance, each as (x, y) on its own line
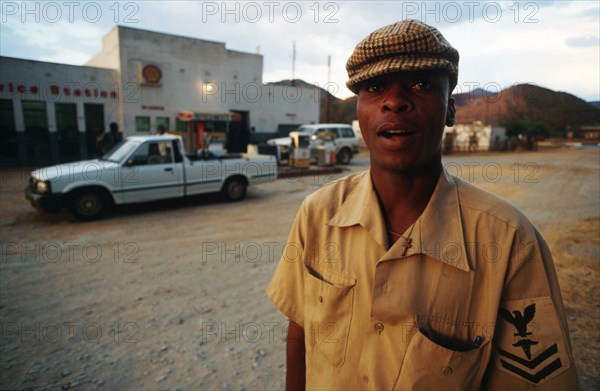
(41, 187)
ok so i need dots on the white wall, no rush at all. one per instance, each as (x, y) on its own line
(109, 56)
(284, 105)
(52, 83)
(113, 78)
(486, 135)
(190, 65)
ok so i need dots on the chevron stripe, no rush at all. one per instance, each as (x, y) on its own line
(533, 363)
(536, 377)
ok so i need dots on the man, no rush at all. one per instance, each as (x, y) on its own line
(403, 277)
(115, 134)
(160, 130)
(106, 141)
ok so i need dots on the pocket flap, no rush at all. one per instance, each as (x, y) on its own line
(330, 277)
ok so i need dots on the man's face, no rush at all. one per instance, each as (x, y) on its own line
(402, 118)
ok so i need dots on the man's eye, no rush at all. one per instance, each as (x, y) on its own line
(421, 86)
(373, 87)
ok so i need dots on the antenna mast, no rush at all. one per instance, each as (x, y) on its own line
(328, 96)
(294, 63)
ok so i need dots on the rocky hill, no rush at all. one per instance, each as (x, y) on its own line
(559, 110)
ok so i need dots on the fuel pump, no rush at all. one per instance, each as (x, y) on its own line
(325, 150)
(300, 150)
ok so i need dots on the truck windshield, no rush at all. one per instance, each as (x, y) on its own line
(120, 151)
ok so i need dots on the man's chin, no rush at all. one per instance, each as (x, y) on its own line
(409, 167)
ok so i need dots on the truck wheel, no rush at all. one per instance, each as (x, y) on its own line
(344, 156)
(88, 204)
(234, 189)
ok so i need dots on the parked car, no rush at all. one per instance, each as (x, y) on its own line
(345, 140)
(144, 168)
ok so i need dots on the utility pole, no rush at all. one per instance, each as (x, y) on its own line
(328, 96)
(294, 63)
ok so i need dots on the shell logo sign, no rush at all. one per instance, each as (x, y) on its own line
(152, 74)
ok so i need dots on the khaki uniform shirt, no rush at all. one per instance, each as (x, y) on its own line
(474, 303)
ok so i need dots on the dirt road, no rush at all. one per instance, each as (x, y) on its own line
(170, 295)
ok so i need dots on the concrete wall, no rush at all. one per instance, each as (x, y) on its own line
(285, 105)
(188, 66)
(486, 135)
(109, 57)
(196, 75)
(27, 80)
(43, 81)
(199, 76)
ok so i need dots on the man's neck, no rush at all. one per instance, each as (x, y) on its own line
(404, 195)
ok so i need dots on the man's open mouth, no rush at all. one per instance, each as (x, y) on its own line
(395, 133)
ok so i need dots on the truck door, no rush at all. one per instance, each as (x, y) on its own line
(156, 174)
(204, 176)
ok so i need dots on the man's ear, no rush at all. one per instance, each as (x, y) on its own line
(450, 113)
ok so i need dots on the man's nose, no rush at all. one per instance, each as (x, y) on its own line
(395, 100)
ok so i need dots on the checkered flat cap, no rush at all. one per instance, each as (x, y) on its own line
(409, 45)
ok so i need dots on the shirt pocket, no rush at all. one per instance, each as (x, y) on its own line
(328, 308)
(429, 366)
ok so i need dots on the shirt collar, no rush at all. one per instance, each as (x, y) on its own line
(438, 233)
(361, 207)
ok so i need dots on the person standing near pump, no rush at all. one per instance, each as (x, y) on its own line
(405, 277)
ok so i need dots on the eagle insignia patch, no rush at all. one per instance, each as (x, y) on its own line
(531, 342)
(520, 322)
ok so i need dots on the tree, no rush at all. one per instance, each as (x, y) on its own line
(526, 128)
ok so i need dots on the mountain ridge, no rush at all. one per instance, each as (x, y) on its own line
(561, 111)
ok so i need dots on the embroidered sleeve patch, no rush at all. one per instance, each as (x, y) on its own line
(531, 344)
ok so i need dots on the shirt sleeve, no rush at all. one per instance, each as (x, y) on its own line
(286, 289)
(531, 347)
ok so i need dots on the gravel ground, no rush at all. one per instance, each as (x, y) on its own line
(170, 295)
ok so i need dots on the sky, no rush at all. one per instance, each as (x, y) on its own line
(552, 44)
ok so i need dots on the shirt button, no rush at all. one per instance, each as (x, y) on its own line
(379, 327)
(447, 371)
(320, 299)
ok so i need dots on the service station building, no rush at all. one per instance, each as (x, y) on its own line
(54, 113)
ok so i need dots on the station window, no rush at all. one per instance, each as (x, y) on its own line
(36, 130)
(164, 121)
(8, 133)
(94, 126)
(181, 126)
(68, 134)
(142, 124)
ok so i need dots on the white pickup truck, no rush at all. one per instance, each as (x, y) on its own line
(144, 168)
